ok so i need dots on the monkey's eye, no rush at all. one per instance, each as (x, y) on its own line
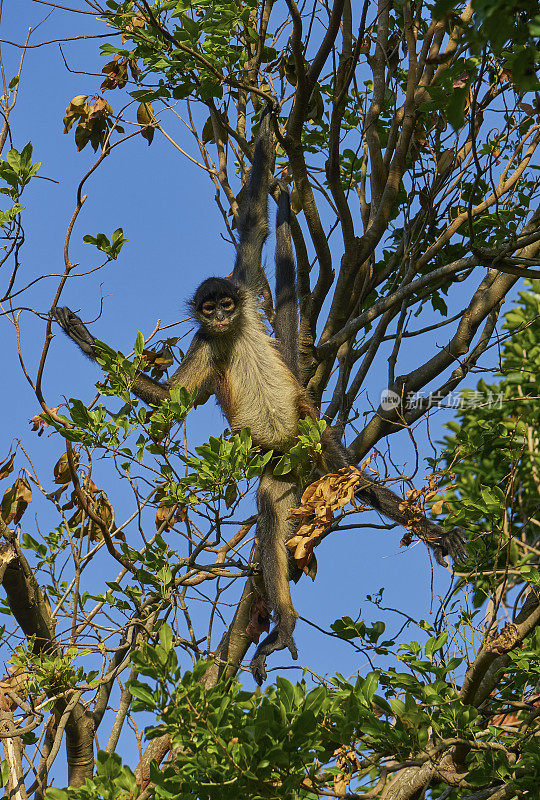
(227, 304)
(208, 308)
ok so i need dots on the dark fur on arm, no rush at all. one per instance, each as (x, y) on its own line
(192, 374)
(253, 216)
(286, 320)
(441, 542)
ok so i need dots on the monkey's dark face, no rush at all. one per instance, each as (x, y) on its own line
(216, 305)
(218, 315)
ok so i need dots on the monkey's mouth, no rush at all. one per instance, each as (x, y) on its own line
(221, 325)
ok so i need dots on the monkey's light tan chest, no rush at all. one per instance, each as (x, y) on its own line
(259, 392)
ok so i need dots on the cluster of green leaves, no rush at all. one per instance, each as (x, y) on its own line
(16, 170)
(110, 248)
(306, 451)
(493, 451)
(49, 672)
(223, 461)
(349, 629)
(211, 40)
(229, 743)
(510, 28)
(234, 743)
(102, 427)
(518, 684)
(155, 569)
(112, 781)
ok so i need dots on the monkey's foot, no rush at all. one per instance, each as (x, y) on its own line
(276, 640)
(258, 668)
(74, 327)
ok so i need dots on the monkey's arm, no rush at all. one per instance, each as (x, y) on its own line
(286, 319)
(193, 372)
(253, 215)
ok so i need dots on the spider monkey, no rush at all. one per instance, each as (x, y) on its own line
(255, 380)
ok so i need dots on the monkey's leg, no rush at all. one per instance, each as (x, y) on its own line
(275, 498)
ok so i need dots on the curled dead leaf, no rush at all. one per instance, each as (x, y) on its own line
(437, 507)
(62, 473)
(259, 621)
(56, 495)
(6, 466)
(446, 159)
(116, 73)
(168, 515)
(146, 119)
(321, 500)
(39, 424)
(15, 501)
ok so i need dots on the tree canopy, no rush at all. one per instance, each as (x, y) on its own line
(406, 133)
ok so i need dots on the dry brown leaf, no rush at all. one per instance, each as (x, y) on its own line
(437, 507)
(61, 470)
(56, 495)
(165, 513)
(39, 424)
(6, 466)
(15, 501)
(319, 504)
(259, 621)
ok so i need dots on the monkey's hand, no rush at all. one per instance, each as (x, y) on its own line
(452, 544)
(75, 329)
(280, 638)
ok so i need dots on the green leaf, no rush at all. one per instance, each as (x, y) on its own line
(55, 794)
(433, 644)
(315, 700)
(398, 706)
(79, 413)
(166, 637)
(284, 465)
(455, 111)
(190, 26)
(109, 765)
(139, 344)
(370, 685)
(531, 574)
(142, 692)
(14, 160)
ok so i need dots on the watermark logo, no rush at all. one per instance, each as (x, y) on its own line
(422, 400)
(389, 400)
